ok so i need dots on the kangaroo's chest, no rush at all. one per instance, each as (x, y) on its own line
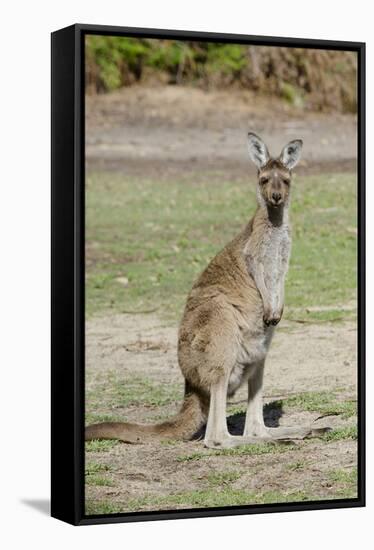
(274, 253)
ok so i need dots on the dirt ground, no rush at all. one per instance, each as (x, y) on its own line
(169, 133)
(307, 358)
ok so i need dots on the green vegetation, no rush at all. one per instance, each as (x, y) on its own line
(326, 403)
(348, 432)
(160, 237)
(344, 476)
(244, 450)
(298, 465)
(99, 481)
(92, 468)
(221, 479)
(204, 498)
(96, 507)
(221, 492)
(344, 482)
(111, 388)
(100, 445)
(208, 498)
(93, 418)
(317, 79)
(146, 243)
(94, 474)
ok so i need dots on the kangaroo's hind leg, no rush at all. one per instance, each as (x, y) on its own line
(217, 435)
(254, 420)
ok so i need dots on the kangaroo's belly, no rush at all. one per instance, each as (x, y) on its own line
(252, 351)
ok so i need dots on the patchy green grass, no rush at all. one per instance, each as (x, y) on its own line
(111, 389)
(325, 403)
(233, 410)
(99, 481)
(159, 236)
(146, 242)
(220, 492)
(298, 465)
(170, 442)
(221, 479)
(344, 476)
(92, 468)
(204, 498)
(214, 497)
(100, 445)
(93, 418)
(348, 432)
(95, 474)
(96, 507)
(345, 482)
(244, 450)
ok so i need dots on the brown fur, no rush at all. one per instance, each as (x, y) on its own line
(226, 327)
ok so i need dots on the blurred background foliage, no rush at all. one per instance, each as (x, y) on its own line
(319, 80)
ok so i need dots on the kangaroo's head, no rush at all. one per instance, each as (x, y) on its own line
(274, 174)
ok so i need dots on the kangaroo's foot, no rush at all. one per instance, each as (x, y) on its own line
(260, 431)
(295, 432)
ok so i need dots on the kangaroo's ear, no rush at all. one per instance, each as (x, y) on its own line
(291, 153)
(258, 152)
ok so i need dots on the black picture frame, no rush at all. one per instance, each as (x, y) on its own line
(68, 291)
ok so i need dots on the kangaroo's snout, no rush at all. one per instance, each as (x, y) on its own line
(276, 197)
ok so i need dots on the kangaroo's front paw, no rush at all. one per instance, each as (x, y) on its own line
(272, 317)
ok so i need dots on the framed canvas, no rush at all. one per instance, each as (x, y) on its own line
(200, 365)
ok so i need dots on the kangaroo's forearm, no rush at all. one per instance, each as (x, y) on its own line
(256, 270)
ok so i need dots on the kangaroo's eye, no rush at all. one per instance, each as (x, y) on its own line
(286, 182)
(263, 181)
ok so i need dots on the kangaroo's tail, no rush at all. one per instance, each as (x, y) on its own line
(190, 418)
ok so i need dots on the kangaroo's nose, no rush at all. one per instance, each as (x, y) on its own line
(276, 197)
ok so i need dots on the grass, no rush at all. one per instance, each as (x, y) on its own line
(344, 476)
(96, 474)
(93, 418)
(111, 388)
(99, 481)
(298, 465)
(96, 507)
(325, 403)
(244, 450)
(146, 242)
(204, 498)
(220, 492)
(159, 236)
(338, 434)
(214, 497)
(348, 432)
(344, 482)
(221, 479)
(92, 468)
(100, 445)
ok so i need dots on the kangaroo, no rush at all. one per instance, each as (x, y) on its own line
(229, 321)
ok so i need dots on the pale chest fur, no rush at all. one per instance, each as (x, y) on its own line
(274, 254)
(267, 253)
